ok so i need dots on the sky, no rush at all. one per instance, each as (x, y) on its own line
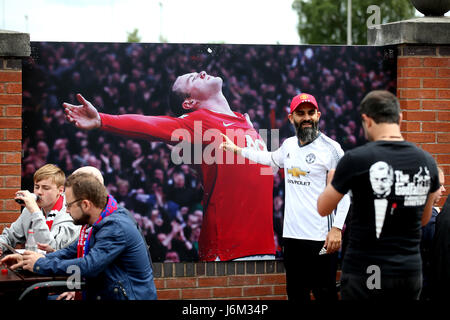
(178, 21)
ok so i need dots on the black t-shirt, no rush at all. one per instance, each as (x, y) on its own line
(390, 182)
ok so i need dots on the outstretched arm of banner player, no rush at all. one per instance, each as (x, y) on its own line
(155, 128)
(84, 116)
(273, 159)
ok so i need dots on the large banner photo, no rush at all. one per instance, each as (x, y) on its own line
(157, 114)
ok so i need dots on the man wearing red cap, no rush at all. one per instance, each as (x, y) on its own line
(310, 241)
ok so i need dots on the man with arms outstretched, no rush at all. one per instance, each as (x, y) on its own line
(237, 196)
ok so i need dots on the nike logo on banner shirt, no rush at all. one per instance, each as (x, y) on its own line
(227, 124)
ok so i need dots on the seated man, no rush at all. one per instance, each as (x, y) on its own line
(112, 256)
(47, 216)
(92, 170)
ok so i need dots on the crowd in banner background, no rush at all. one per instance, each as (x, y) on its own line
(120, 78)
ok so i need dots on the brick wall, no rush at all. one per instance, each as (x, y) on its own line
(423, 87)
(10, 137)
(260, 280)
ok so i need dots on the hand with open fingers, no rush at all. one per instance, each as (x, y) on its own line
(228, 145)
(84, 116)
(29, 259)
(12, 261)
(333, 241)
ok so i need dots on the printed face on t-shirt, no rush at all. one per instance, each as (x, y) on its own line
(381, 178)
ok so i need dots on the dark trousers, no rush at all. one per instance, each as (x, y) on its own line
(355, 287)
(308, 271)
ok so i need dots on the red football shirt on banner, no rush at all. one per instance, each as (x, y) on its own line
(237, 201)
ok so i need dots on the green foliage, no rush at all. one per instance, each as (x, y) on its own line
(162, 39)
(133, 36)
(325, 21)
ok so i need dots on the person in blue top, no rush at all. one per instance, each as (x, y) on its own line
(111, 256)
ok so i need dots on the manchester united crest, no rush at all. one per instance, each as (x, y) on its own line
(310, 158)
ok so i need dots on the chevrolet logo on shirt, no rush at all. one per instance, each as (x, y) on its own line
(296, 172)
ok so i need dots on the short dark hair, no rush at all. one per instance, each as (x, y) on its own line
(87, 187)
(176, 99)
(382, 106)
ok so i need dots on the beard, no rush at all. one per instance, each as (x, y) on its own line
(306, 134)
(84, 219)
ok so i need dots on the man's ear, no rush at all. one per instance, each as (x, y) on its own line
(367, 120)
(291, 118)
(400, 118)
(85, 204)
(61, 190)
(189, 104)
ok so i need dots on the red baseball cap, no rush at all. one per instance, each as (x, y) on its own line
(303, 98)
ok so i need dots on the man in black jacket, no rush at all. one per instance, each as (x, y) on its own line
(440, 255)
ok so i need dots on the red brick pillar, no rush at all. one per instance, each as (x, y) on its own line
(423, 87)
(423, 83)
(14, 47)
